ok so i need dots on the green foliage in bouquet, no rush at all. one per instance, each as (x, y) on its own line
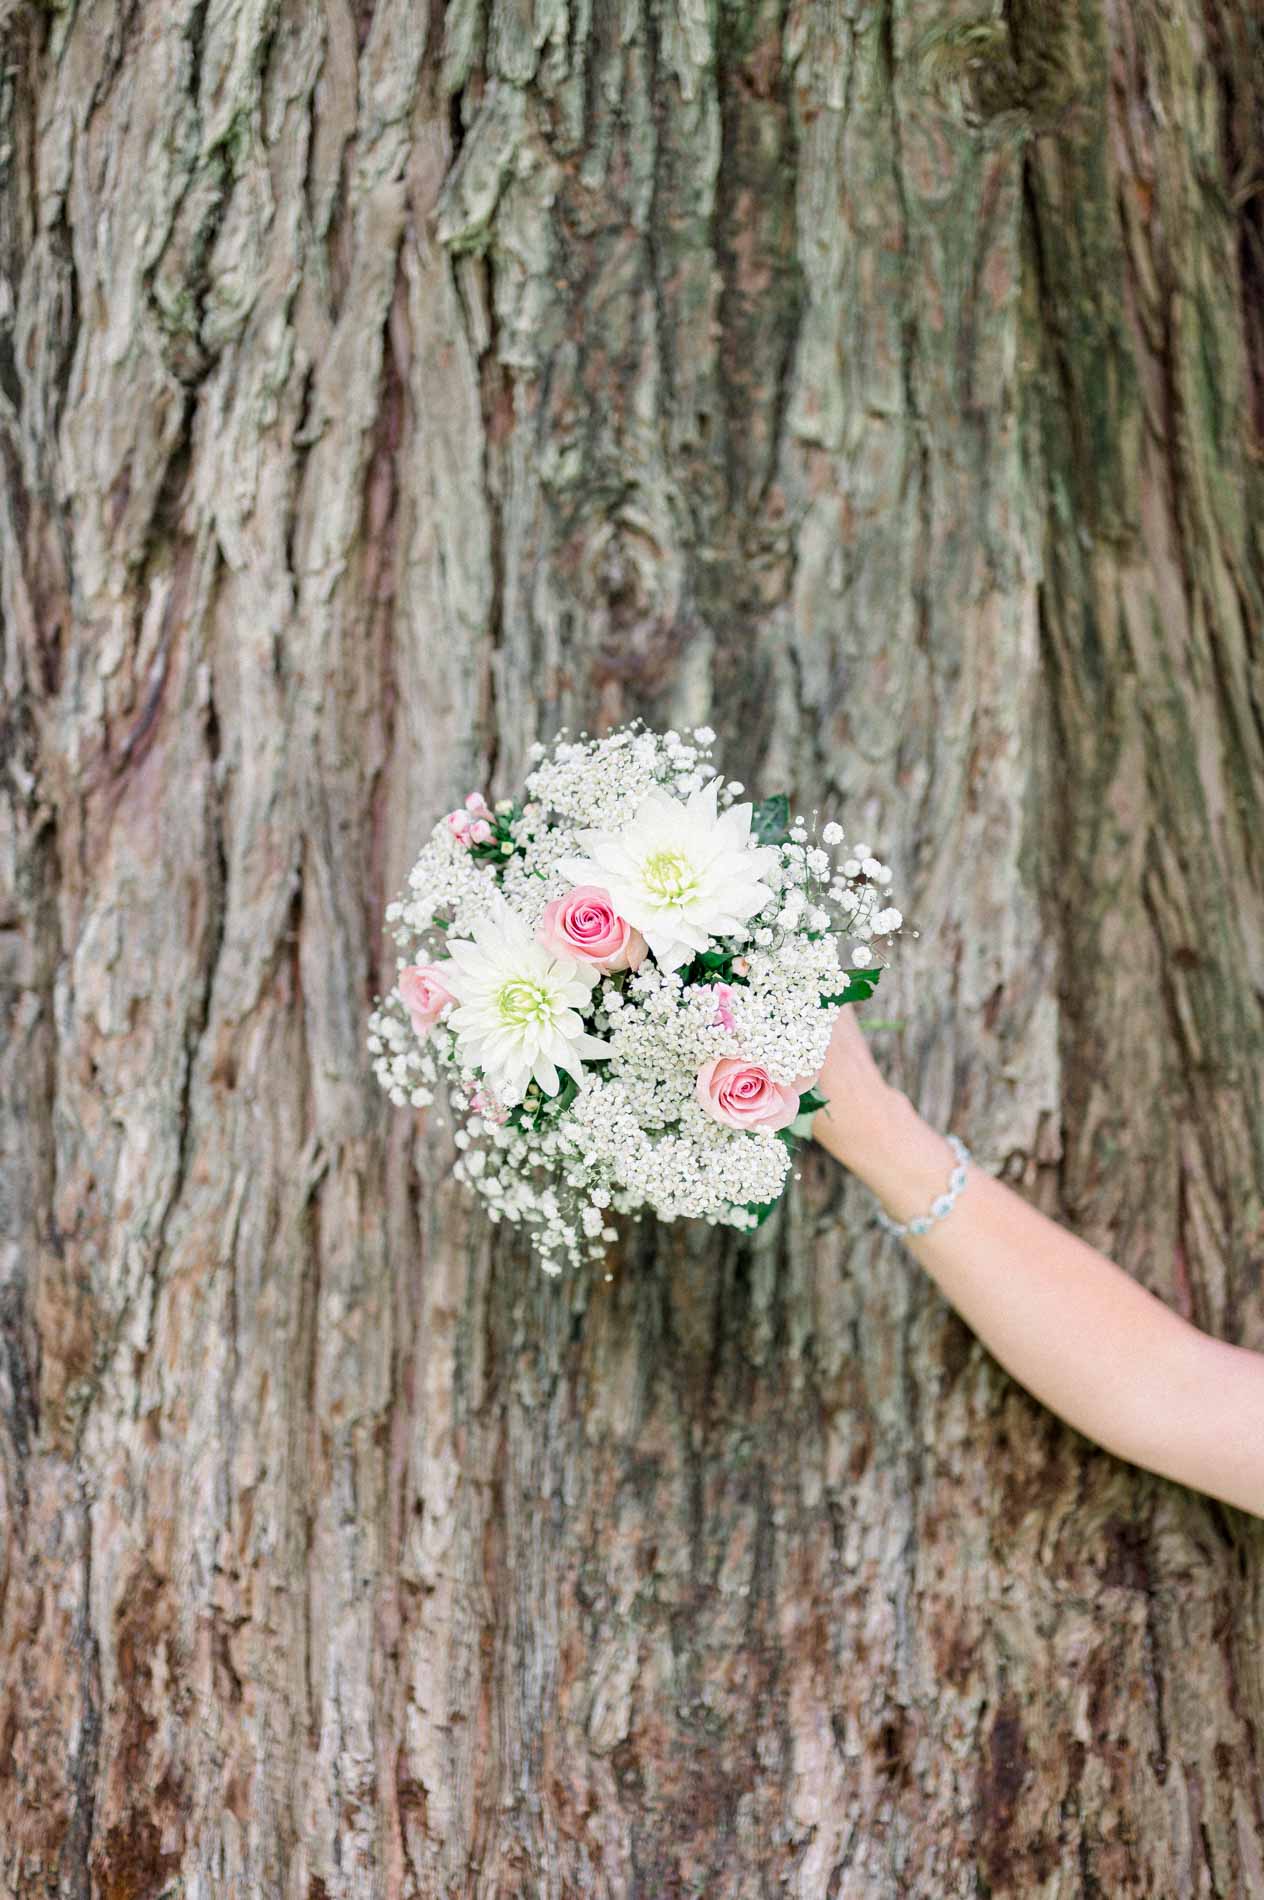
(770, 820)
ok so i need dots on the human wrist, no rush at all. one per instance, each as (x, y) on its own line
(857, 1123)
(883, 1140)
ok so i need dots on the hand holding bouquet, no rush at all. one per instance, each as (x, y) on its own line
(626, 984)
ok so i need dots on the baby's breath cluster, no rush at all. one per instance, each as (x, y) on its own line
(623, 984)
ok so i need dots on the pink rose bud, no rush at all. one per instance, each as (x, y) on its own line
(480, 831)
(458, 823)
(723, 1018)
(585, 925)
(742, 1094)
(477, 804)
(425, 994)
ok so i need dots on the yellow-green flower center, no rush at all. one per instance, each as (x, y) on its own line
(669, 876)
(519, 1002)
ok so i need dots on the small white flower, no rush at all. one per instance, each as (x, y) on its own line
(860, 956)
(518, 1008)
(736, 787)
(832, 834)
(704, 735)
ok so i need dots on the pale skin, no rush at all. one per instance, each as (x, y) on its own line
(1079, 1333)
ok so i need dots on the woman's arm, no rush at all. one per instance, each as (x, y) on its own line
(1081, 1334)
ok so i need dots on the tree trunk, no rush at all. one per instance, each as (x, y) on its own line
(381, 388)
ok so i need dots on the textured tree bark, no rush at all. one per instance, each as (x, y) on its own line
(380, 388)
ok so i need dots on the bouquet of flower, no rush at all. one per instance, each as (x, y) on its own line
(625, 983)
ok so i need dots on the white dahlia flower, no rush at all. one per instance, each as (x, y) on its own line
(517, 1017)
(679, 873)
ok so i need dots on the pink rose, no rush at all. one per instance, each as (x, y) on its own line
(459, 824)
(585, 925)
(480, 831)
(425, 994)
(477, 805)
(742, 1094)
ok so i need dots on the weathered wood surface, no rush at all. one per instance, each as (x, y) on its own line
(381, 387)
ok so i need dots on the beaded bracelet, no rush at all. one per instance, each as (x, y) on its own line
(945, 1202)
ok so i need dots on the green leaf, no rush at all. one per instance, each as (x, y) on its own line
(810, 1101)
(491, 853)
(559, 1103)
(770, 820)
(860, 987)
(710, 966)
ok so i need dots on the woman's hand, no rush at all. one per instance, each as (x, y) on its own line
(849, 1080)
